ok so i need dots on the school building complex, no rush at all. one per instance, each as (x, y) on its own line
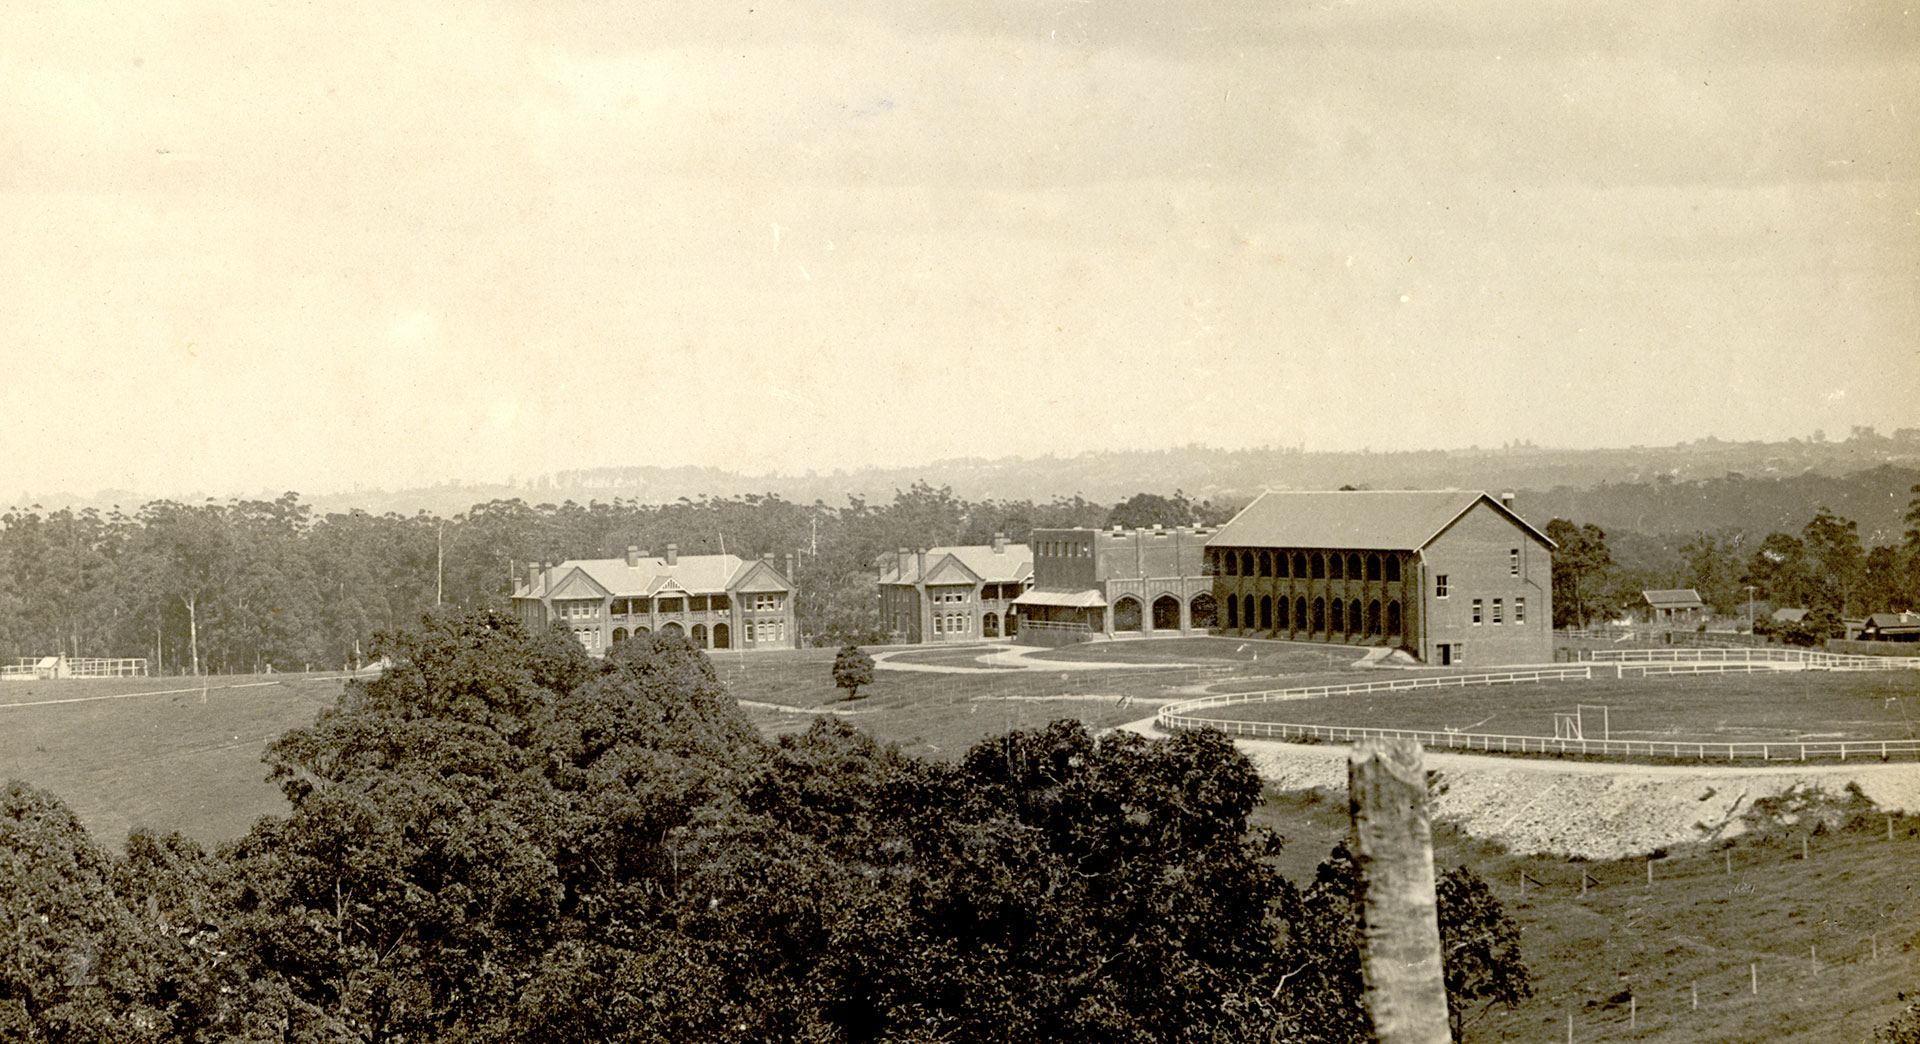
(954, 594)
(1453, 577)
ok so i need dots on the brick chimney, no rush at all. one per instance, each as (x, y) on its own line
(633, 555)
(673, 554)
(533, 577)
(922, 578)
(999, 543)
(902, 563)
(789, 572)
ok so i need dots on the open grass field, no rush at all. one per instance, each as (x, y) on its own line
(1696, 928)
(1788, 705)
(123, 752)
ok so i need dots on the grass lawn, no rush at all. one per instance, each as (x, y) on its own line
(1786, 705)
(165, 760)
(966, 656)
(1696, 927)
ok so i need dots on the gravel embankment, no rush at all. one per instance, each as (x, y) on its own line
(1593, 810)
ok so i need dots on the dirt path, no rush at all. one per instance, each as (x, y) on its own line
(1015, 656)
(1600, 811)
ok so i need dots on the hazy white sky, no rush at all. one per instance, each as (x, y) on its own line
(306, 245)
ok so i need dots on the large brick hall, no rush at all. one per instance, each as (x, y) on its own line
(1452, 577)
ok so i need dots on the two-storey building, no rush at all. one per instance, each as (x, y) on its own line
(715, 601)
(1117, 582)
(952, 594)
(1453, 577)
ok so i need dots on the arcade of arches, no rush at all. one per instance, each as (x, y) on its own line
(1359, 597)
(1131, 617)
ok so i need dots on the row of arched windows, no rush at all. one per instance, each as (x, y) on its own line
(1317, 617)
(1308, 565)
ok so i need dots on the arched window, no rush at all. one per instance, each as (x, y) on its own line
(1231, 563)
(1233, 613)
(1246, 612)
(1300, 614)
(1166, 613)
(1246, 563)
(1204, 612)
(1299, 566)
(990, 626)
(1373, 567)
(1393, 619)
(1338, 623)
(1353, 566)
(1280, 615)
(1266, 613)
(1266, 563)
(1126, 614)
(619, 635)
(1373, 617)
(1280, 564)
(1319, 615)
(1353, 616)
(1319, 566)
(1393, 569)
(1336, 567)
(700, 635)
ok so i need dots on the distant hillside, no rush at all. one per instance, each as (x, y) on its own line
(1705, 484)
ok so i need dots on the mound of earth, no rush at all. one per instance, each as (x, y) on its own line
(1601, 811)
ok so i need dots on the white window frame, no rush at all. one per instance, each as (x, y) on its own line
(1520, 610)
(1496, 612)
(1476, 612)
(1439, 585)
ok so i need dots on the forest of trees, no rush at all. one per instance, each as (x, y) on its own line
(501, 839)
(246, 585)
(1823, 568)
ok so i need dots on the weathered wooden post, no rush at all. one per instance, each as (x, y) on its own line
(1399, 921)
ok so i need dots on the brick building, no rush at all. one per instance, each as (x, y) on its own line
(1452, 577)
(716, 601)
(1119, 581)
(953, 594)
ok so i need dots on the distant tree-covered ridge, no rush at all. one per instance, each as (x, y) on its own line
(501, 839)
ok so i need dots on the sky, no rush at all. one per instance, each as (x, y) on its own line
(314, 246)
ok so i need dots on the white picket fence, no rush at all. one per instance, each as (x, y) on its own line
(1804, 658)
(1179, 716)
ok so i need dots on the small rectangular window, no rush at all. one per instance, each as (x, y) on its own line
(1513, 562)
(1496, 610)
(1440, 586)
(1476, 612)
(1519, 610)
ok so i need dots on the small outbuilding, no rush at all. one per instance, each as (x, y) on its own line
(1681, 607)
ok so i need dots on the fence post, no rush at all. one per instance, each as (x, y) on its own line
(1400, 962)
(1753, 978)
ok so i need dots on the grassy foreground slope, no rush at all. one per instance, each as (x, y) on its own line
(142, 752)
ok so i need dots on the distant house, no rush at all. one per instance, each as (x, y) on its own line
(954, 594)
(1789, 616)
(1891, 627)
(1119, 581)
(1451, 576)
(1675, 608)
(715, 601)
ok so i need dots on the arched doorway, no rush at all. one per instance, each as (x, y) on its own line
(700, 635)
(1233, 613)
(1166, 613)
(1204, 611)
(1339, 621)
(1266, 612)
(619, 635)
(1280, 615)
(990, 626)
(1353, 616)
(673, 629)
(722, 636)
(1126, 614)
(1373, 617)
(1300, 613)
(1319, 615)
(1393, 619)
(1246, 612)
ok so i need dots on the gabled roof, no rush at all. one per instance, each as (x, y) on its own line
(1789, 615)
(1011, 563)
(694, 574)
(1360, 520)
(1681, 598)
(1894, 622)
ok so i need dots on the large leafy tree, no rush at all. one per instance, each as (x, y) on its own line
(1582, 565)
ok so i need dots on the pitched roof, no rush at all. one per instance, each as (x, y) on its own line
(1894, 621)
(1680, 598)
(695, 574)
(1013, 562)
(1086, 599)
(1365, 519)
